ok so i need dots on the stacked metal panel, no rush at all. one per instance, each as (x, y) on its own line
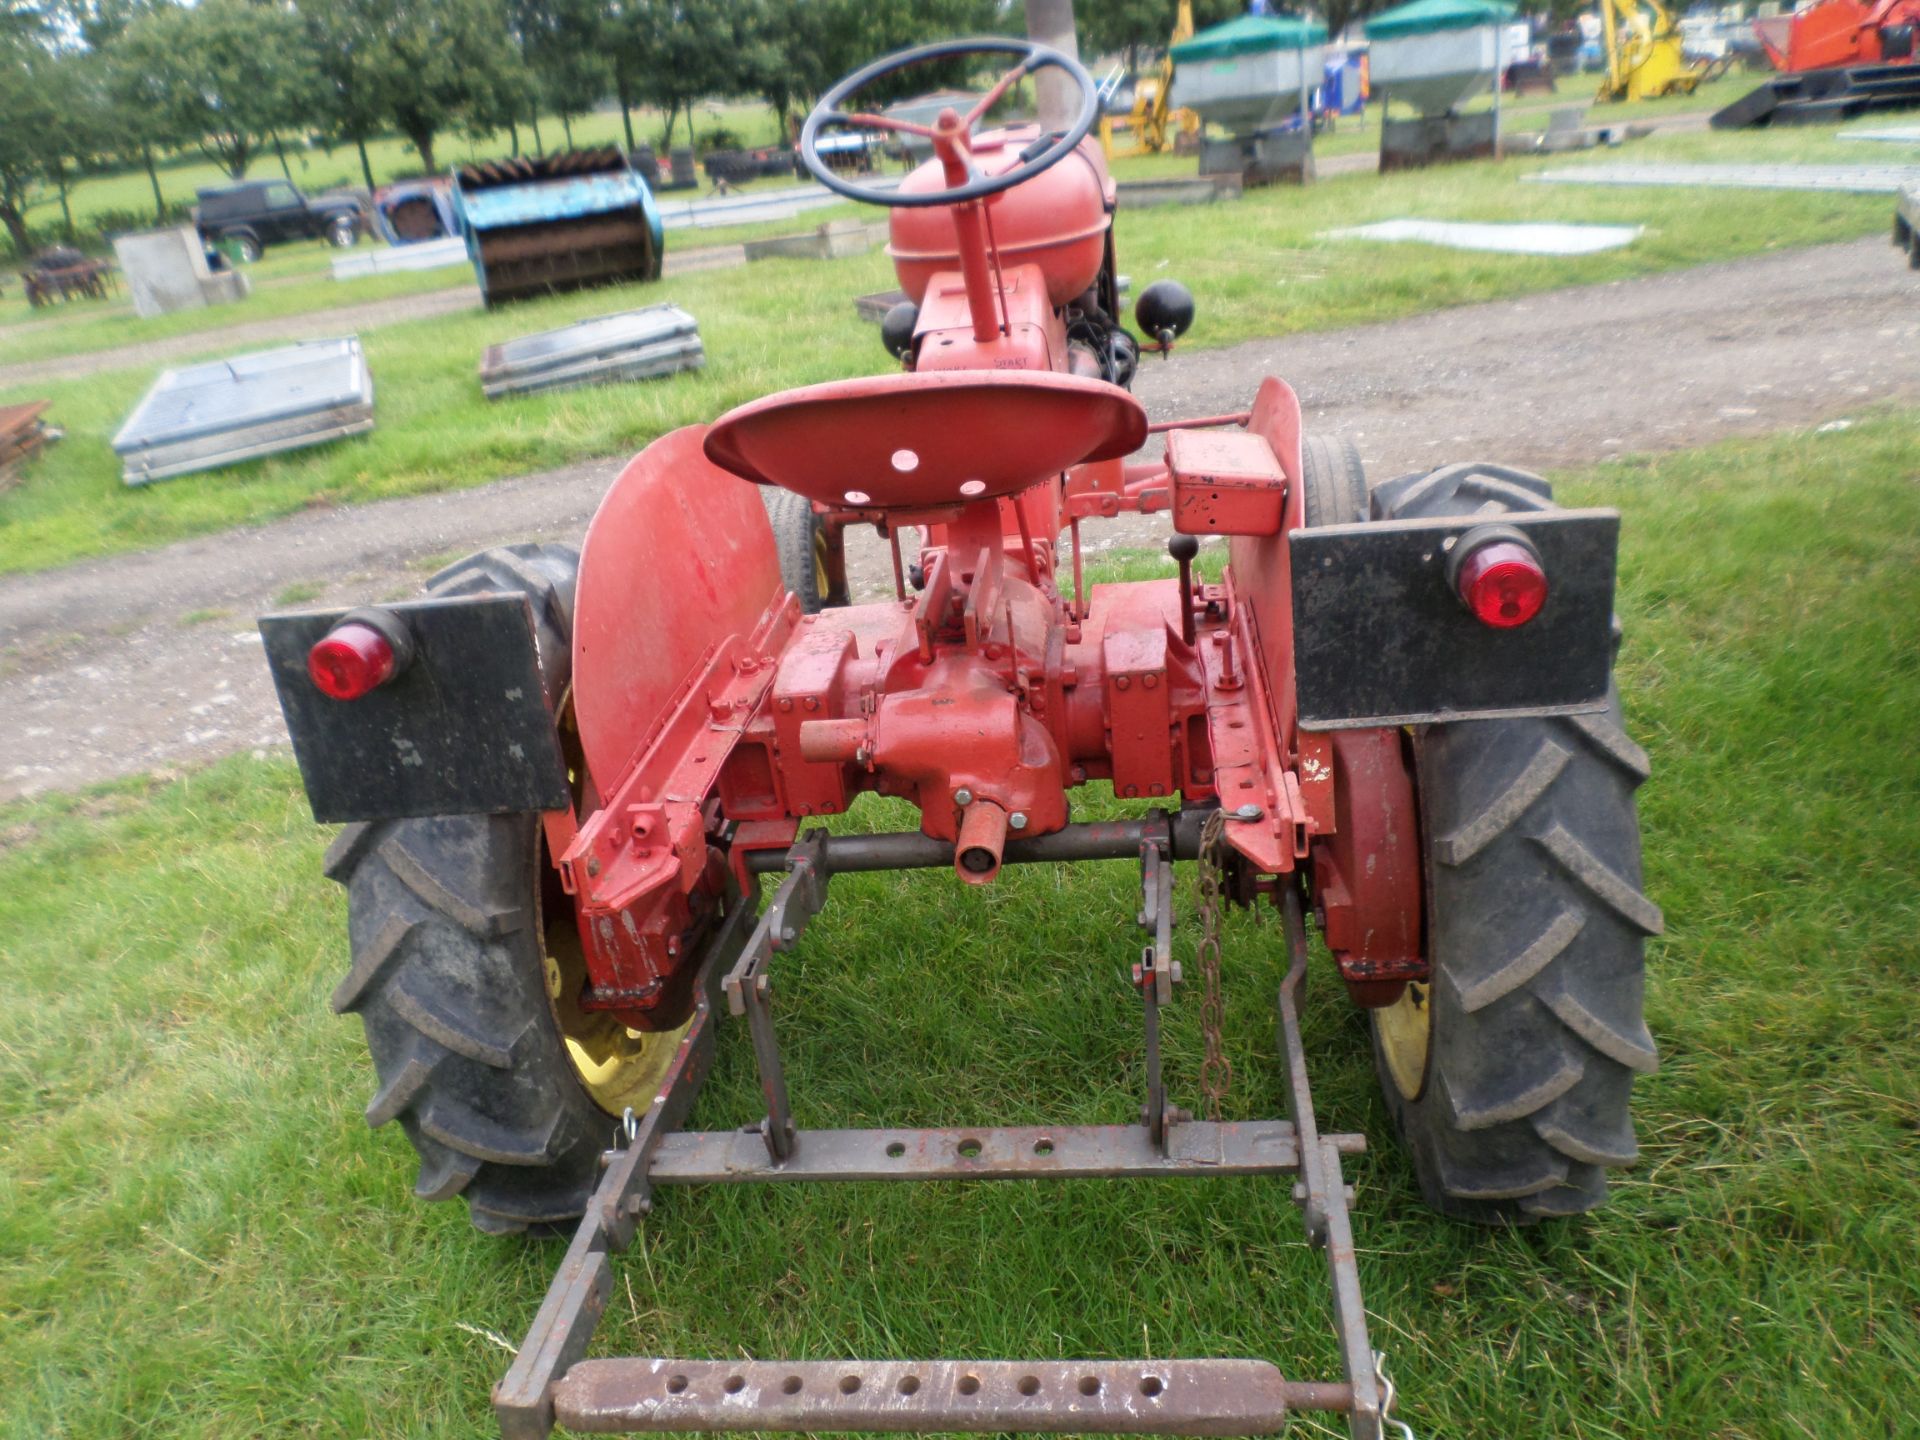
(201, 417)
(633, 345)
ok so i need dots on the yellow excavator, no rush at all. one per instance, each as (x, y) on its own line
(1645, 59)
(1152, 126)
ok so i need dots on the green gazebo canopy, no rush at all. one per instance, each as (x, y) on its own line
(1422, 17)
(1249, 35)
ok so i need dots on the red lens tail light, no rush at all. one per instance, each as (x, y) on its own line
(1502, 583)
(350, 661)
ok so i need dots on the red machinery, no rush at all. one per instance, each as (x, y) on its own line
(1839, 60)
(1835, 33)
(659, 719)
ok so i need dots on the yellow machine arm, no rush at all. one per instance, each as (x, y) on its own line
(1153, 122)
(1648, 61)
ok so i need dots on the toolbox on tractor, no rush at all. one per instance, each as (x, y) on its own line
(1391, 716)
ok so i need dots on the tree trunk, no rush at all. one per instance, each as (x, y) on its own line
(566, 124)
(280, 151)
(513, 134)
(625, 92)
(421, 138)
(153, 179)
(366, 166)
(1051, 23)
(65, 190)
(16, 223)
(539, 145)
(236, 153)
(666, 135)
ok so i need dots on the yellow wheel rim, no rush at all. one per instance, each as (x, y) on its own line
(618, 1067)
(822, 581)
(1405, 1031)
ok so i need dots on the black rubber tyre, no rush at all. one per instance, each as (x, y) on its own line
(448, 976)
(801, 541)
(1334, 480)
(1535, 927)
(343, 233)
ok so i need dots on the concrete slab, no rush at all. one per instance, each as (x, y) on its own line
(388, 259)
(1854, 179)
(1888, 134)
(1506, 239)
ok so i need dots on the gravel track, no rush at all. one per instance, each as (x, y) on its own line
(149, 660)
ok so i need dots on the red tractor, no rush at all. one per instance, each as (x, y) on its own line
(567, 773)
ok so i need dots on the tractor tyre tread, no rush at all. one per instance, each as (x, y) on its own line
(794, 522)
(1334, 480)
(1537, 921)
(447, 972)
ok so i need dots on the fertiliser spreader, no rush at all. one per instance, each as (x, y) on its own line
(566, 775)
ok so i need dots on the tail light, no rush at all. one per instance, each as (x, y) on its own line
(1499, 578)
(359, 655)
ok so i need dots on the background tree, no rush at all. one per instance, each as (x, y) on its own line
(345, 39)
(28, 120)
(563, 44)
(794, 49)
(77, 82)
(141, 118)
(677, 52)
(229, 73)
(442, 63)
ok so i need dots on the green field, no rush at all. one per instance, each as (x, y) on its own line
(315, 169)
(199, 1236)
(1261, 266)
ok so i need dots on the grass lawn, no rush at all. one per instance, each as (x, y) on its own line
(1260, 266)
(198, 1235)
(291, 280)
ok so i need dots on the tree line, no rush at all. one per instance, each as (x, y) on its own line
(87, 85)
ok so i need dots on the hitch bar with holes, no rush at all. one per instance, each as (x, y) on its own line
(551, 1382)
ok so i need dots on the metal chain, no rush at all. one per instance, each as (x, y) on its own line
(1216, 1071)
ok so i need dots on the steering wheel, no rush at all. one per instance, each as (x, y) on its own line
(1032, 57)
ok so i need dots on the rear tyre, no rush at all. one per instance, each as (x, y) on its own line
(245, 244)
(343, 233)
(1334, 480)
(800, 539)
(458, 948)
(1509, 1073)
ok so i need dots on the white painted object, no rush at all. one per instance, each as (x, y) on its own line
(1891, 134)
(1245, 93)
(202, 417)
(391, 259)
(1433, 72)
(167, 271)
(1505, 239)
(1853, 179)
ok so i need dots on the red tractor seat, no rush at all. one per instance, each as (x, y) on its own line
(916, 441)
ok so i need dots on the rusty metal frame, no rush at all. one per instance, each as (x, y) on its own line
(551, 1383)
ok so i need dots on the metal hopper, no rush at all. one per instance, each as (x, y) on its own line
(535, 226)
(1434, 54)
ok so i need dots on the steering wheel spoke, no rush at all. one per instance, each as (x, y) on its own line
(868, 120)
(1029, 57)
(1000, 87)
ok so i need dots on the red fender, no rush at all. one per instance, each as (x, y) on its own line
(679, 556)
(678, 612)
(1366, 875)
